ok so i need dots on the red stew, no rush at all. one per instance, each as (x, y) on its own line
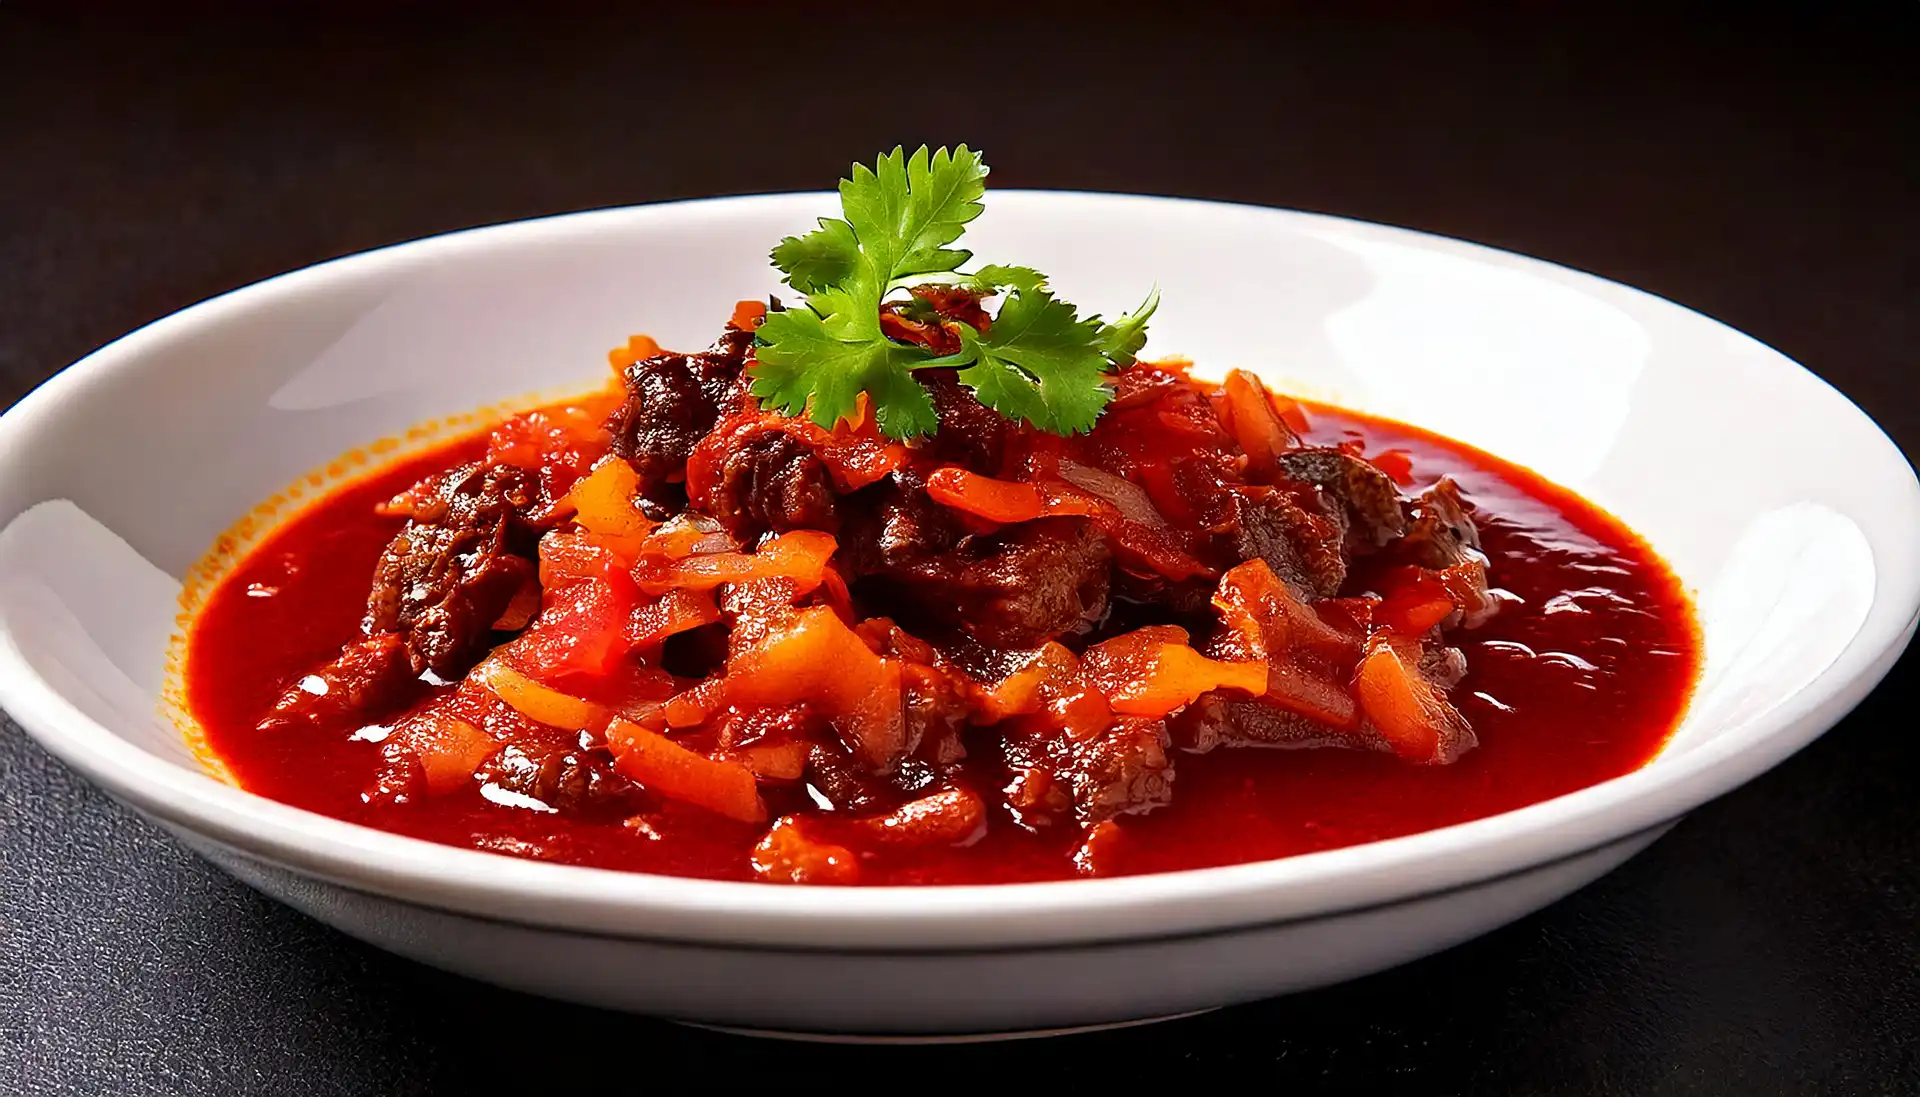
(702, 626)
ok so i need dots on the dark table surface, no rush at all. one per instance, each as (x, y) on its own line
(1763, 173)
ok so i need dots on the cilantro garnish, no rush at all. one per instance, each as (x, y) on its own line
(1036, 360)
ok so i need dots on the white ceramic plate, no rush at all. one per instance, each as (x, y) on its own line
(1789, 515)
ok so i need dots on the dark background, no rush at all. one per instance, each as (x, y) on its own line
(1759, 169)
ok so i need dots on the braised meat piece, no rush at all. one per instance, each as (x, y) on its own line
(1439, 733)
(1302, 546)
(672, 401)
(568, 779)
(1016, 588)
(898, 526)
(1123, 770)
(367, 679)
(1360, 494)
(1035, 582)
(1441, 532)
(466, 550)
(971, 434)
(770, 479)
(1218, 719)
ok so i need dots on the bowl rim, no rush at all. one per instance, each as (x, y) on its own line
(940, 918)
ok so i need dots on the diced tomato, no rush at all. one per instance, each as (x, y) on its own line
(1051, 687)
(1256, 424)
(582, 630)
(1308, 657)
(566, 558)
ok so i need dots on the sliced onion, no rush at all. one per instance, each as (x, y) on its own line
(1127, 497)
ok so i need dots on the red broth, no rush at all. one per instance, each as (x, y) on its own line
(1582, 682)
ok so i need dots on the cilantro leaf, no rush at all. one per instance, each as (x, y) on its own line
(819, 259)
(906, 209)
(1121, 340)
(993, 278)
(902, 406)
(803, 368)
(1039, 362)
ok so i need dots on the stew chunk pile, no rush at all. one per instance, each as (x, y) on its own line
(667, 596)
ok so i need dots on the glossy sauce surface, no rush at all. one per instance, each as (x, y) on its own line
(1581, 681)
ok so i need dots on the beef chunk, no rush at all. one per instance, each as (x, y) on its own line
(1441, 533)
(1018, 588)
(833, 773)
(366, 680)
(673, 400)
(1302, 546)
(769, 479)
(899, 528)
(571, 780)
(1219, 719)
(1361, 495)
(1033, 583)
(971, 434)
(1121, 771)
(444, 580)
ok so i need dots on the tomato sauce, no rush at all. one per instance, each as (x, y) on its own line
(1581, 681)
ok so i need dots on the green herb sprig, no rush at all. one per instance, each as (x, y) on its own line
(1038, 361)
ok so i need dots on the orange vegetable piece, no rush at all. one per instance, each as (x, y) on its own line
(449, 750)
(814, 657)
(749, 315)
(800, 556)
(1050, 685)
(1409, 711)
(787, 856)
(1001, 501)
(537, 702)
(675, 611)
(1307, 658)
(1412, 615)
(1256, 424)
(603, 500)
(1152, 671)
(664, 766)
(775, 761)
(951, 817)
(568, 557)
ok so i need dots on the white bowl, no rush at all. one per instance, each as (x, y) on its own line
(1791, 518)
